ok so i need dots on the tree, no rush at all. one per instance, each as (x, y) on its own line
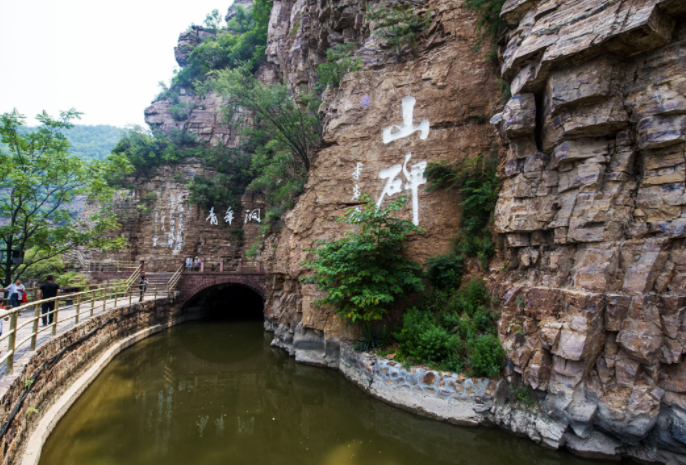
(39, 181)
(399, 25)
(365, 271)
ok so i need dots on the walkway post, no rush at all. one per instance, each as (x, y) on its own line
(11, 341)
(240, 265)
(156, 291)
(259, 267)
(221, 265)
(78, 307)
(57, 312)
(36, 314)
(93, 294)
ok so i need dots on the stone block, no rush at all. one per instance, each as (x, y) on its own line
(519, 116)
(661, 131)
(673, 378)
(616, 309)
(579, 85)
(595, 120)
(580, 149)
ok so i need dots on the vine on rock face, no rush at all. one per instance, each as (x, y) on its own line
(489, 23)
(339, 62)
(365, 272)
(399, 25)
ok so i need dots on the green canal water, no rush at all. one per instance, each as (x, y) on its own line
(214, 392)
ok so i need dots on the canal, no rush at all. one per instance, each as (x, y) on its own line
(215, 392)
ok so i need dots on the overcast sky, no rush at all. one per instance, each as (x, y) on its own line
(102, 58)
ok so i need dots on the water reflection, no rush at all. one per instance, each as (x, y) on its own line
(217, 393)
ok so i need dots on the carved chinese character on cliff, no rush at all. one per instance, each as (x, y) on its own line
(253, 215)
(415, 176)
(212, 217)
(228, 217)
(396, 132)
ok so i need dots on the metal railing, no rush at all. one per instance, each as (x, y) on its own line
(174, 280)
(81, 303)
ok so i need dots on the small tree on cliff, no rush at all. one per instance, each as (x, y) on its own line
(365, 272)
(39, 182)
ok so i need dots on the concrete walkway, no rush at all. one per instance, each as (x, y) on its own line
(65, 313)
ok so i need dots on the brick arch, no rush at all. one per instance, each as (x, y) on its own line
(193, 283)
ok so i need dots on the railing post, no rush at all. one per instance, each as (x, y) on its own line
(56, 314)
(36, 313)
(259, 267)
(78, 308)
(10, 343)
(221, 265)
(116, 294)
(155, 291)
(93, 294)
(240, 265)
(202, 267)
(130, 294)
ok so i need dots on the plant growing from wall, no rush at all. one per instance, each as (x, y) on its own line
(365, 272)
(477, 182)
(489, 23)
(399, 25)
(339, 62)
(452, 330)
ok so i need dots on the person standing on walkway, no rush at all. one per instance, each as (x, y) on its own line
(142, 286)
(47, 291)
(16, 292)
(189, 264)
(196, 264)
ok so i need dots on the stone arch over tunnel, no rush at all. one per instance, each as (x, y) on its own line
(232, 301)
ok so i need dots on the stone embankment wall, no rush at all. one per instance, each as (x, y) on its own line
(593, 211)
(125, 321)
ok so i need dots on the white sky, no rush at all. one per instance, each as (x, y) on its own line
(103, 58)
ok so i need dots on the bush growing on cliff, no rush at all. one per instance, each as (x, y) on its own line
(489, 23)
(399, 25)
(281, 140)
(452, 330)
(477, 182)
(241, 42)
(339, 62)
(365, 272)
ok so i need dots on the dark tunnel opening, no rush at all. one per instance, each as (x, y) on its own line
(233, 302)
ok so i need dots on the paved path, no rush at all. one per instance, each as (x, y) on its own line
(66, 313)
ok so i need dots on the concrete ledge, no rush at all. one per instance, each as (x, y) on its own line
(56, 412)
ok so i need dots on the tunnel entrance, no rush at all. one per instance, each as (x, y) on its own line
(230, 301)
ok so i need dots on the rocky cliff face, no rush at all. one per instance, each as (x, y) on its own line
(591, 215)
(593, 212)
(382, 127)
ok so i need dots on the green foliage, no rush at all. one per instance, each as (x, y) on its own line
(339, 62)
(71, 279)
(86, 142)
(372, 339)
(39, 180)
(489, 23)
(280, 142)
(445, 271)
(145, 151)
(44, 264)
(31, 410)
(523, 395)
(233, 174)
(365, 272)
(477, 182)
(487, 356)
(237, 233)
(399, 25)
(241, 43)
(29, 382)
(453, 330)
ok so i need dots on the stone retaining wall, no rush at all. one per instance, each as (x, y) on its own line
(126, 321)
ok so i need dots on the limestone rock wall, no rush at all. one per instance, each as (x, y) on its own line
(593, 215)
(446, 91)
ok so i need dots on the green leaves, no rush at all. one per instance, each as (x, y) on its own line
(39, 181)
(399, 25)
(339, 61)
(365, 272)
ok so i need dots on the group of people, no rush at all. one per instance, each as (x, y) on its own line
(17, 296)
(193, 265)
